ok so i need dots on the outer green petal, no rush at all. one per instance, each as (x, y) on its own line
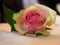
(16, 15)
(51, 17)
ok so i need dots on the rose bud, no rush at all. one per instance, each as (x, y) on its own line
(34, 18)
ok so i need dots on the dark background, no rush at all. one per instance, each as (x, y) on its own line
(17, 5)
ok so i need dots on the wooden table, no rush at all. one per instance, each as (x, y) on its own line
(13, 38)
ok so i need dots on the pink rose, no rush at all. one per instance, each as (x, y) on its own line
(34, 18)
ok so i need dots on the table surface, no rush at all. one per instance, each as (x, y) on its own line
(14, 38)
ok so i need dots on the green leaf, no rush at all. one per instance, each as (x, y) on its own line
(31, 35)
(44, 33)
(39, 33)
(16, 15)
(8, 13)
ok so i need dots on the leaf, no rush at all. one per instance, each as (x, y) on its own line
(39, 33)
(31, 35)
(16, 15)
(8, 13)
(44, 33)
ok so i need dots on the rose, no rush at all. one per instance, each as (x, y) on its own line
(34, 18)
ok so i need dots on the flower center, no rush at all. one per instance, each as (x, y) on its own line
(31, 18)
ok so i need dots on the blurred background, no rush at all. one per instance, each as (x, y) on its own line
(17, 5)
